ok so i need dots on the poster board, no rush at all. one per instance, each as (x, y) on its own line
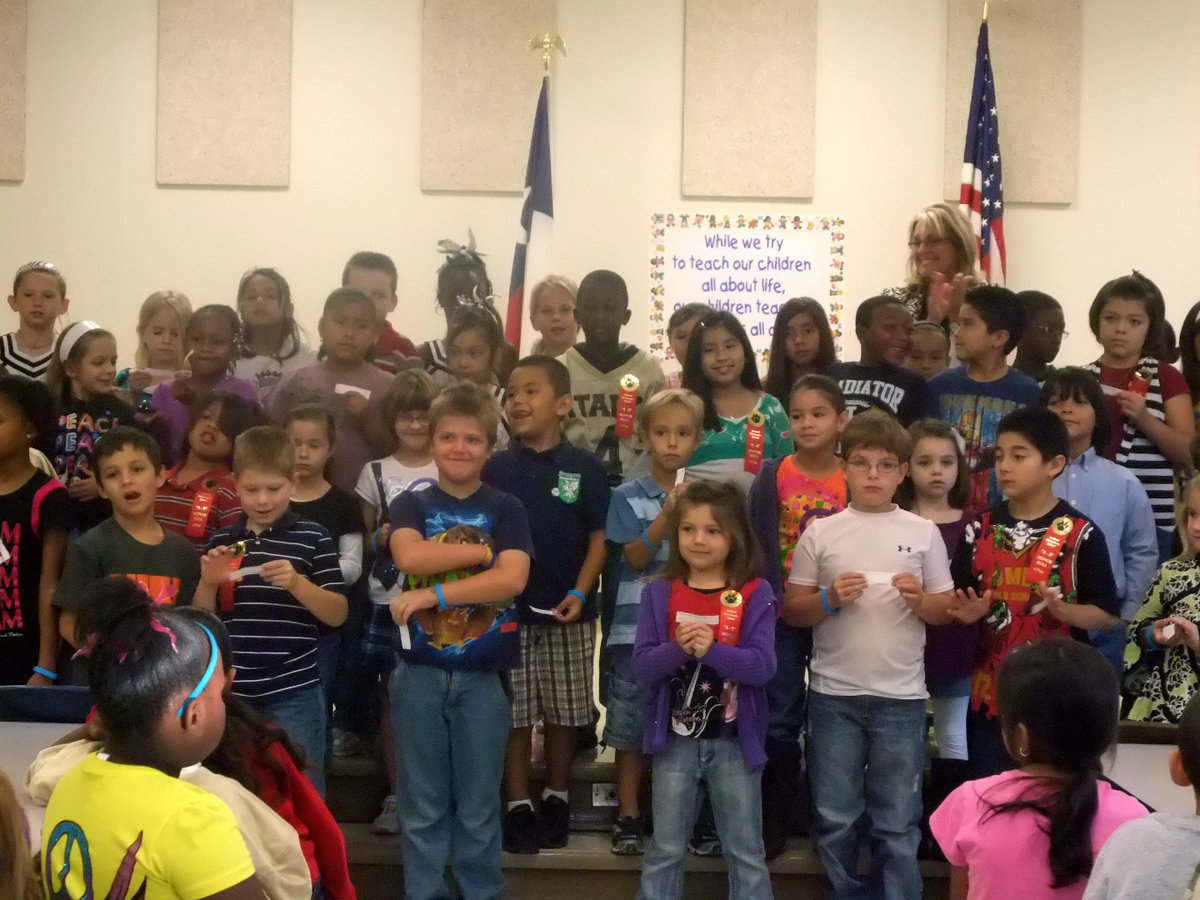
(748, 265)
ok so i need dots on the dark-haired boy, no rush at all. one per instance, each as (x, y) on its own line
(129, 472)
(375, 275)
(566, 491)
(884, 329)
(597, 365)
(974, 397)
(1045, 329)
(1031, 566)
(928, 351)
(1157, 855)
(867, 580)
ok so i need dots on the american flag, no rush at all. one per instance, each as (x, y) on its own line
(982, 194)
(531, 255)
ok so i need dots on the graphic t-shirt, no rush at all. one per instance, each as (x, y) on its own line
(266, 372)
(26, 514)
(722, 455)
(890, 388)
(702, 704)
(168, 571)
(80, 425)
(803, 500)
(175, 504)
(974, 409)
(995, 554)
(483, 636)
(122, 831)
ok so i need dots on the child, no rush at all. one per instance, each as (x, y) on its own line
(466, 548)
(598, 365)
(1028, 564)
(344, 382)
(868, 605)
(929, 351)
(123, 821)
(198, 497)
(719, 368)
(1161, 662)
(974, 397)
(1045, 329)
(884, 329)
(474, 337)
(801, 344)
(565, 491)
(1189, 355)
(211, 340)
(704, 651)
(375, 275)
(290, 586)
(671, 427)
(81, 378)
(1034, 832)
(680, 326)
(552, 315)
(18, 878)
(131, 543)
(1149, 409)
(1107, 494)
(39, 297)
(272, 343)
(34, 520)
(162, 322)
(1156, 855)
(788, 495)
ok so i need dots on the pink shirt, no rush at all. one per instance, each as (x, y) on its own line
(1008, 855)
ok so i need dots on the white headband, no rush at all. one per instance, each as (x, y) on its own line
(71, 337)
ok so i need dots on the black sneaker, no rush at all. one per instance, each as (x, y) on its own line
(556, 823)
(704, 841)
(628, 837)
(519, 830)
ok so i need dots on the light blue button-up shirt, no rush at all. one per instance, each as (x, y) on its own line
(1115, 500)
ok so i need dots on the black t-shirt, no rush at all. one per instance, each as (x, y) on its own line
(338, 512)
(890, 388)
(26, 514)
(699, 697)
(80, 424)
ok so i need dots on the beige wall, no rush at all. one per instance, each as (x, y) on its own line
(90, 203)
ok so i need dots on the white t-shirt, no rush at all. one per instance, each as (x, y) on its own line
(875, 645)
(396, 478)
(266, 372)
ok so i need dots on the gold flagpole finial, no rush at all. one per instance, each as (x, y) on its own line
(985, 10)
(548, 43)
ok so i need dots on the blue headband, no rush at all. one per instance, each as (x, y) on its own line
(208, 673)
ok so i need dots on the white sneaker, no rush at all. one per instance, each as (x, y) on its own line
(387, 822)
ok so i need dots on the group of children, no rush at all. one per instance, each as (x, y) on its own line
(734, 542)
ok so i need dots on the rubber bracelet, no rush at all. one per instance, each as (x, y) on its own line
(491, 558)
(53, 676)
(825, 602)
(1151, 643)
(441, 597)
(573, 592)
(646, 541)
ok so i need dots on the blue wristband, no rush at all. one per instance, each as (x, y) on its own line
(53, 676)
(825, 602)
(577, 593)
(1151, 643)
(441, 597)
(646, 541)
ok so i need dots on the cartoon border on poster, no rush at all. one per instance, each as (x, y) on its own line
(748, 265)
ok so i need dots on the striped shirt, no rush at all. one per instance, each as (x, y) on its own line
(274, 636)
(19, 363)
(175, 499)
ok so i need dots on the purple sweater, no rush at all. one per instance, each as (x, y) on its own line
(950, 649)
(750, 665)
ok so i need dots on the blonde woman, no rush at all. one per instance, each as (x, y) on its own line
(942, 263)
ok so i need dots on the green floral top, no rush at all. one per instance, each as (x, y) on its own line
(1159, 683)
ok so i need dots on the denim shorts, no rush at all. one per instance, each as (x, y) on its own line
(626, 705)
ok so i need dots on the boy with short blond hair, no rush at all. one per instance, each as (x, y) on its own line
(466, 549)
(868, 579)
(276, 578)
(566, 491)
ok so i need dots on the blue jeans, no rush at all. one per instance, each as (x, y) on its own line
(737, 806)
(1111, 642)
(302, 715)
(866, 756)
(451, 735)
(786, 690)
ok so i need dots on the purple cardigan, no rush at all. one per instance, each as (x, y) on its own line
(750, 665)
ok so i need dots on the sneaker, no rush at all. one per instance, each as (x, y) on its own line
(347, 743)
(519, 830)
(628, 837)
(704, 841)
(556, 823)
(387, 822)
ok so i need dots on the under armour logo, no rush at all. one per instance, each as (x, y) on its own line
(904, 549)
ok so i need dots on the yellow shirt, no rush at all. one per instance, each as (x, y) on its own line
(113, 830)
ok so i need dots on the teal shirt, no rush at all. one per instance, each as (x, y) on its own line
(722, 454)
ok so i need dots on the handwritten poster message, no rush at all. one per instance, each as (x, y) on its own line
(747, 265)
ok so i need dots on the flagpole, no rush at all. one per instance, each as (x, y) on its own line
(985, 11)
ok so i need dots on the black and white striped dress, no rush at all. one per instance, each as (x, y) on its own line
(18, 363)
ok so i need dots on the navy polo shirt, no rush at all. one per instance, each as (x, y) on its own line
(565, 490)
(274, 636)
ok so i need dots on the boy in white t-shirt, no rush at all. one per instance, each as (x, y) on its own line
(867, 580)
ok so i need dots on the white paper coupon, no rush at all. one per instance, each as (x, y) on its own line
(682, 617)
(405, 638)
(351, 389)
(1168, 630)
(680, 474)
(541, 611)
(880, 577)
(238, 574)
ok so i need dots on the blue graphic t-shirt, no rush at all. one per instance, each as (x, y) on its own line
(484, 636)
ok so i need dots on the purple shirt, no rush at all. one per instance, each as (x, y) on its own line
(950, 649)
(174, 415)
